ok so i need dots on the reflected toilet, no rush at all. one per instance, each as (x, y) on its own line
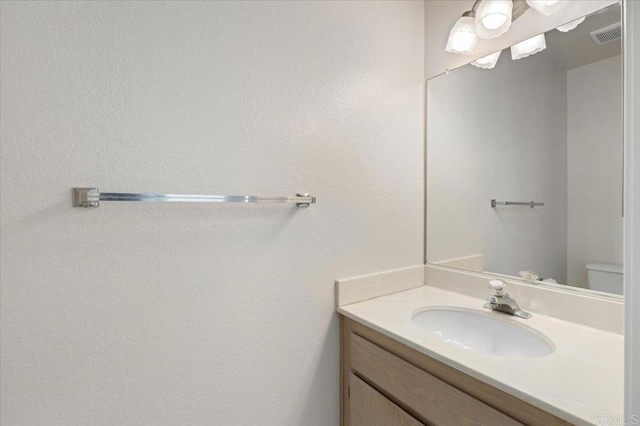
(606, 277)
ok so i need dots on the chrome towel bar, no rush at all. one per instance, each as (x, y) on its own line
(531, 204)
(91, 197)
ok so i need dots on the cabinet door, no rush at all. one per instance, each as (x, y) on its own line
(368, 407)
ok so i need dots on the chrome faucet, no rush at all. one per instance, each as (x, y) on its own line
(502, 302)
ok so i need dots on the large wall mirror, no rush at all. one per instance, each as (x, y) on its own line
(545, 129)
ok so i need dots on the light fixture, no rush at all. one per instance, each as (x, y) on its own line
(547, 7)
(489, 19)
(571, 25)
(493, 18)
(488, 62)
(462, 38)
(528, 47)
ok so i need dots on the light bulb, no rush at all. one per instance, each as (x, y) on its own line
(462, 38)
(493, 18)
(493, 21)
(488, 62)
(547, 7)
(528, 47)
(571, 25)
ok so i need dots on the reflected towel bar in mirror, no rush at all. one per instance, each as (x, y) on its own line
(531, 204)
(91, 197)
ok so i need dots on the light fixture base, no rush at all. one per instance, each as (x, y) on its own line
(519, 8)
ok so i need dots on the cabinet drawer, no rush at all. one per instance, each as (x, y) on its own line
(428, 398)
(370, 408)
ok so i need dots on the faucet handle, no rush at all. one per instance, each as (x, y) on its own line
(497, 286)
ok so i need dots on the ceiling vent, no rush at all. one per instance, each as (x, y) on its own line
(607, 34)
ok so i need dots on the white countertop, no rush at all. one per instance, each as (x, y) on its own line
(580, 381)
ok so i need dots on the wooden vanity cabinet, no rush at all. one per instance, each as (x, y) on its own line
(370, 408)
(385, 383)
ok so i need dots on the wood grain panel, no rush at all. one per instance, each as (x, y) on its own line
(371, 408)
(345, 370)
(433, 400)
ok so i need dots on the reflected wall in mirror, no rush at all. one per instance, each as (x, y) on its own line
(545, 128)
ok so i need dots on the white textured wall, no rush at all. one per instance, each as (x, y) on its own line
(198, 314)
(498, 134)
(594, 153)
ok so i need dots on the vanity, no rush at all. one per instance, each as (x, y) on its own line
(394, 371)
(418, 384)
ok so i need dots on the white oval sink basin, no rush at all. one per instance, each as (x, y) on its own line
(479, 332)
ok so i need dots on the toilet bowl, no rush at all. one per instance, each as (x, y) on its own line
(605, 277)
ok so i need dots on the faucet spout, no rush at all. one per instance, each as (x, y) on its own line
(502, 302)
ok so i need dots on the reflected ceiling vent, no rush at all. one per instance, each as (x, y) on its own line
(607, 34)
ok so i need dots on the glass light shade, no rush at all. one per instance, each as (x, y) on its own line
(493, 18)
(462, 38)
(528, 47)
(547, 7)
(571, 25)
(488, 62)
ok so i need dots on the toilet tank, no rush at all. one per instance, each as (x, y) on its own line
(605, 277)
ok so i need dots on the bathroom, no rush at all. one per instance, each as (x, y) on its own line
(153, 313)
